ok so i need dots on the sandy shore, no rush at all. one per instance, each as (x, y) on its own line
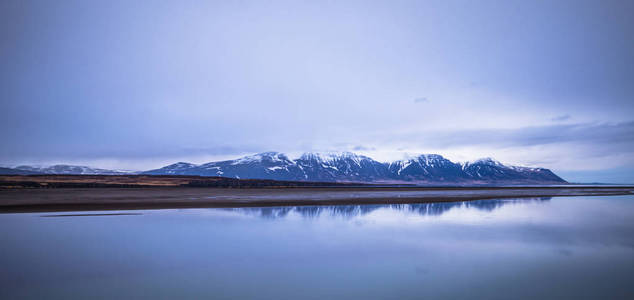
(76, 199)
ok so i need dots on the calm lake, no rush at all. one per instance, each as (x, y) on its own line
(568, 247)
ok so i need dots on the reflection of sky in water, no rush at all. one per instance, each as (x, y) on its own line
(575, 247)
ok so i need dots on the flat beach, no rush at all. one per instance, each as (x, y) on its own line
(87, 199)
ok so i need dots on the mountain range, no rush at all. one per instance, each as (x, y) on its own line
(340, 167)
(350, 167)
(60, 170)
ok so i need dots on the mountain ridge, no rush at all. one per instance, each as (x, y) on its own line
(63, 169)
(351, 167)
(336, 167)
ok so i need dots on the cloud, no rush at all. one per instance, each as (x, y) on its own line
(363, 148)
(421, 100)
(560, 118)
(588, 133)
(581, 146)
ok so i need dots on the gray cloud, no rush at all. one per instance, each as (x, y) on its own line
(619, 135)
(363, 148)
(421, 100)
(560, 118)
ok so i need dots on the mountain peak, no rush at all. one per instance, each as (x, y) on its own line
(486, 161)
(182, 163)
(330, 154)
(432, 156)
(270, 156)
(422, 157)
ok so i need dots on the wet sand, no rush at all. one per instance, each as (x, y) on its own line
(96, 199)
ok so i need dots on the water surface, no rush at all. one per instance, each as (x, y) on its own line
(571, 247)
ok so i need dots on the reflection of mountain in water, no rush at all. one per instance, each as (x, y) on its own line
(423, 209)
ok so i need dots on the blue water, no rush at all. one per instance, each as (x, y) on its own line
(573, 247)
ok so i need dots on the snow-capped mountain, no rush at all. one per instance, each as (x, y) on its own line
(334, 167)
(344, 166)
(70, 170)
(487, 169)
(274, 165)
(267, 165)
(350, 167)
(426, 167)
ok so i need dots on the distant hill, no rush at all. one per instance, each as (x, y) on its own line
(63, 170)
(10, 171)
(350, 167)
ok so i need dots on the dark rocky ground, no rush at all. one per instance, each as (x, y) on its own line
(85, 193)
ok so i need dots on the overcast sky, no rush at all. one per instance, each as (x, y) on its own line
(140, 84)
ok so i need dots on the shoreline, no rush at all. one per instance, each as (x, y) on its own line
(108, 199)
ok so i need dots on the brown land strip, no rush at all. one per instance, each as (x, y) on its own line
(97, 199)
(131, 181)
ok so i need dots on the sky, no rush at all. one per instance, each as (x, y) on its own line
(141, 84)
